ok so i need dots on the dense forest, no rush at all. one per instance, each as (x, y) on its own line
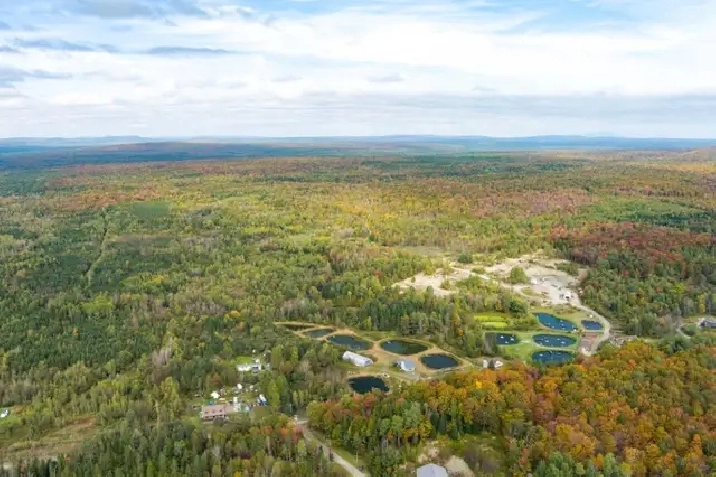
(651, 411)
(130, 289)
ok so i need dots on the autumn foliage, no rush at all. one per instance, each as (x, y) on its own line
(656, 413)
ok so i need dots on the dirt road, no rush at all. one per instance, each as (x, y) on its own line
(350, 468)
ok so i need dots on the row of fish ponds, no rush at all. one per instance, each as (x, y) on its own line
(352, 342)
(435, 361)
(550, 340)
(365, 384)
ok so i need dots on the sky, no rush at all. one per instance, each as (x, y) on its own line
(357, 67)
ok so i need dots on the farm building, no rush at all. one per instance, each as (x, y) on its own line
(492, 364)
(708, 324)
(432, 470)
(255, 366)
(406, 365)
(215, 411)
(357, 359)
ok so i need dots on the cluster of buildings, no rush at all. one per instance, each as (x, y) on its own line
(404, 364)
(492, 363)
(222, 409)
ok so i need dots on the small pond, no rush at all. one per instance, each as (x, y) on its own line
(320, 333)
(404, 347)
(591, 325)
(554, 323)
(297, 326)
(365, 384)
(505, 338)
(552, 357)
(554, 341)
(350, 342)
(438, 361)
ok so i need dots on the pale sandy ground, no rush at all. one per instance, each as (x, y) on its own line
(549, 285)
(423, 281)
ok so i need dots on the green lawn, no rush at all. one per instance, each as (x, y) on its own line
(493, 317)
(498, 325)
(497, 321)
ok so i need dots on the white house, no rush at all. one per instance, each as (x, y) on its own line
(357, 359)
(254, 367)
(406, 365)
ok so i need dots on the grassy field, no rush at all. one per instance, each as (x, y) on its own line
(493, 320)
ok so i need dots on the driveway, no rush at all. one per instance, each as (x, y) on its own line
(350, 468)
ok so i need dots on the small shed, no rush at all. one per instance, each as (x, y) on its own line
(708, 324)
(356, 359)
(432, 470)
(406, 365)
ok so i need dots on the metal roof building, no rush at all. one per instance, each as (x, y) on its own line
(357, 359)
(406, 364)
(432, 470)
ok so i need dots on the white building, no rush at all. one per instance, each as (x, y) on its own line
(254, 367)
(432, 470)
(357, 359)
(406, 365)
(492, 364)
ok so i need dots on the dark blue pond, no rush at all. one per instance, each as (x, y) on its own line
(553, 341)
(591, 325)
(365, 384)
(350, 342)
(505, 338)
(404, 347)
(297, 326)
(554, 323)
(320, 333)
(552, 357)
(438, 361)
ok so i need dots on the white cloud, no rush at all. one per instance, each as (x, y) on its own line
(307, 73)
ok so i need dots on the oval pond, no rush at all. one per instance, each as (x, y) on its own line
(350, 342)
(552, 357)
(554, 323)
(505, 338)
(320, 333)
(438, 361)
(591, 325)
(404, 347)
(365, 384)
(297, 326)
(553, 341)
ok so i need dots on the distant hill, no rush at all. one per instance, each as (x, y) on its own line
(29, 153)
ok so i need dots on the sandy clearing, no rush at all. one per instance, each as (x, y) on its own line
(421, 281)
(549, 285)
